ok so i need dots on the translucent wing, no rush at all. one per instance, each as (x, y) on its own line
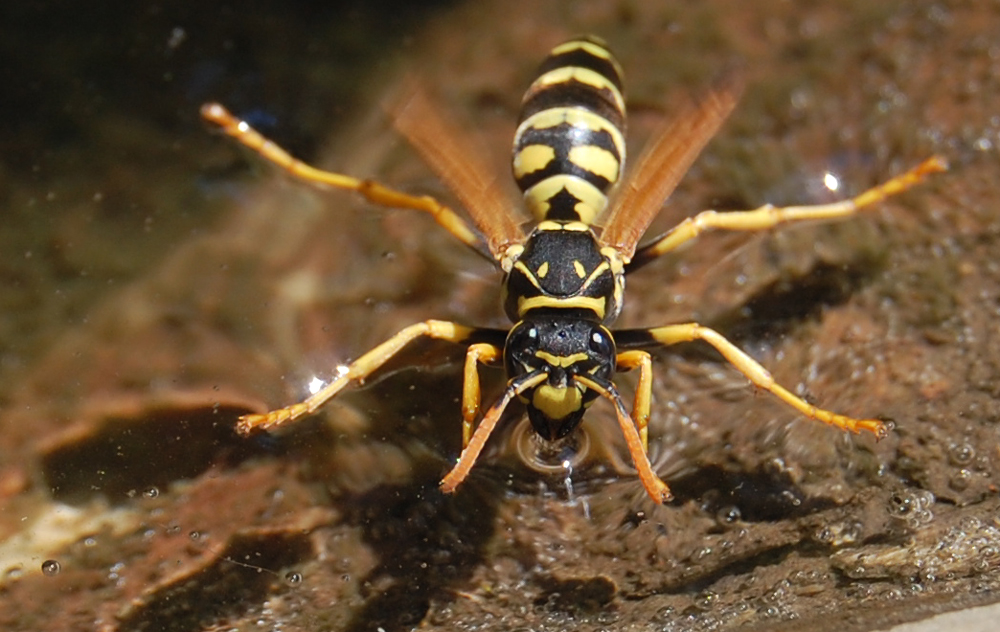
(665, 161)
(460, 166)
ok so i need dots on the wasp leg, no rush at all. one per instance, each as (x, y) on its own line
(371, 191)
(673, 334)
(471, 451)
(767, 216)
(360, 369)
(471, 395)
(626, 361)
(656, 488)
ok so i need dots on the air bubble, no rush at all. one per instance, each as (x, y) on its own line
(51, 567)
(971, 524)
(840, 534)
(961, 453)
(151, 492)
(292, 578)
(961, 480)
(912, 507)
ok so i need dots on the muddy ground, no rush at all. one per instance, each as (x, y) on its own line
(158, 282)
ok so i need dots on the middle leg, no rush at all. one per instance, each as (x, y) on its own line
(769, 216)
(626, 361)
(485, 353)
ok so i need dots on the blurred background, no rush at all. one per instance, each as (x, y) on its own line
(158, 281)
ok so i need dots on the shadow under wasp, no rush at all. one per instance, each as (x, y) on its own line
(564, 280)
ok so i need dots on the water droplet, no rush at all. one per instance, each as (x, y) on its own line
(663, 614)
(607, 617)
(776, 594)
(705, 601)
(292, 578)
(51, 567)
(929, 575)
(728, 515)
(824, 535)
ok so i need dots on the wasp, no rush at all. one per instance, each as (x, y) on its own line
(564, 281)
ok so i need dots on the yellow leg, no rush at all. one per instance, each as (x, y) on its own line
(672, 334)
(372, 191)
(656, 488)
(357, 371)
(628, 360)
(767, 216)
(471, 394)
(471, 451)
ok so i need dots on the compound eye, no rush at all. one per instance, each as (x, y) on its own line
(601, 343)
(525, 338)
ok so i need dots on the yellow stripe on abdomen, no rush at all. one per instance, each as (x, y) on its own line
(569, 148)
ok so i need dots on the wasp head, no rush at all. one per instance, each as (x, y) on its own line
(562, 346)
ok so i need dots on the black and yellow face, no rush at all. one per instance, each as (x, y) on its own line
(562, 346)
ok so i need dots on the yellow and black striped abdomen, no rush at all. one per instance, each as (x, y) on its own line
(569, 149)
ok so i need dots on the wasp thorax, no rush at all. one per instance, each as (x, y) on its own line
(563, 267)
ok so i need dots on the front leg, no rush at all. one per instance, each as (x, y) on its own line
(476, 444)
(360, 369)
(655, 487)
(673, 334)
